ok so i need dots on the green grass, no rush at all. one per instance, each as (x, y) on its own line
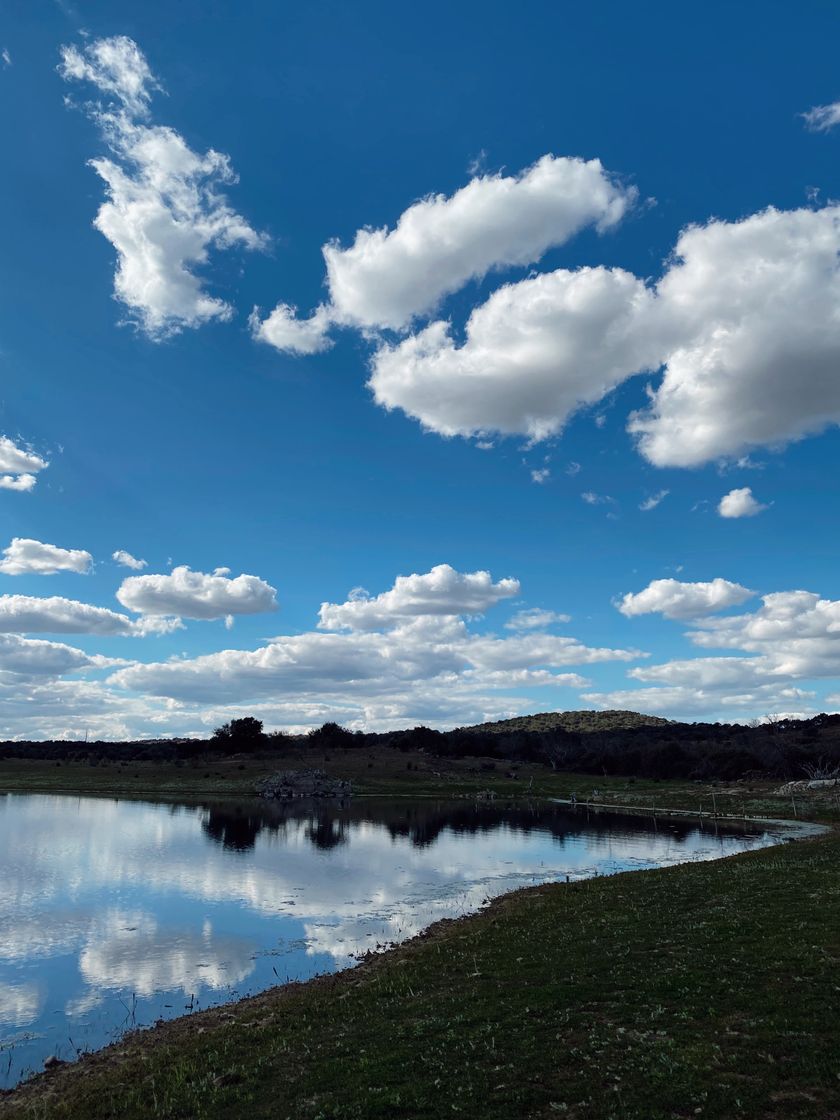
(705, 990)
(389, 773)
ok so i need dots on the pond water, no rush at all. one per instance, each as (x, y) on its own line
(114, 914)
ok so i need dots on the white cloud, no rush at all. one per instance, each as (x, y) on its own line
(822, 118)
(284, 331)
(791, 640)
(18, 460)
(34, 657)
(674, 599)
(440, 592)
(25, 556)
(411, 656)
(429, 667)
(732, 673)
(412, 671)
(748, 313)
(130, 952)
(593, 499)
(32, 614)
(742, 320)
(653, 500)
(20, 1003)
(128, 561)
(796, 632)
(533, 354)
(18, 466)
(29, 614)
(192, 594)
(21, 482)
(117, 67)
(68, 708)
(540, 476)
(739, 503)
(402, 657)
(387, 277)
(535, 618)
(165, 210)
(693, 701)
(6, 56)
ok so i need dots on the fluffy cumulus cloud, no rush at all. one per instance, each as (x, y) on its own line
(740, 327)
(750, 308)
(23, 483)
(410, 671)
(406, 656)
(32, 614)
(780, 649)
(439, 592)
(796, 632)
(25, 556)
(388, 277)
(126, 560)
(19, 466)
(283, 330)
(412, 654)
(416, 653)
(674, 599)
(34, 657)
(166, 209)
(190, 594)
(739, 503)
(533, 353)
(742, 324)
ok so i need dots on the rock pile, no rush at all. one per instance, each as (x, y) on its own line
(294, 785)
(809, 784)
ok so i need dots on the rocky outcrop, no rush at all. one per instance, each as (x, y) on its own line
(297, 785)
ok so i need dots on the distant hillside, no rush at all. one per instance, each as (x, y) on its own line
(580, 722)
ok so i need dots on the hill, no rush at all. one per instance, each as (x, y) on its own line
(579, 722)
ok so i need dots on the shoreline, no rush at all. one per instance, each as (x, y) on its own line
(164, 1040)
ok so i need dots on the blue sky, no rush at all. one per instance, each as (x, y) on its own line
(544, 221)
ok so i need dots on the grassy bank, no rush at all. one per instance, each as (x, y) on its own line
(388, 773)
(704, 990)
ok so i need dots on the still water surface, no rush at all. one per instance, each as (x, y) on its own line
(114, 914)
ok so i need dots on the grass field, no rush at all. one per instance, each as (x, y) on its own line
(383, 772)
(707, 990)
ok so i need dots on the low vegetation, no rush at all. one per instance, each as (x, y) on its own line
(604, 743)
(704, 990)
(582, 722)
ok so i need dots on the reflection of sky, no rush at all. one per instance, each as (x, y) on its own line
(115, 914)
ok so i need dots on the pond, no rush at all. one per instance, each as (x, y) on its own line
(114, 914)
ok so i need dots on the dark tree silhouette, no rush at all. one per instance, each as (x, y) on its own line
(242, 734)
(333, 735)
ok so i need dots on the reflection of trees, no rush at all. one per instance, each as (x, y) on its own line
(236, 827)
(327, 831)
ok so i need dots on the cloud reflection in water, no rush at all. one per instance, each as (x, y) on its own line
(110, 906)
